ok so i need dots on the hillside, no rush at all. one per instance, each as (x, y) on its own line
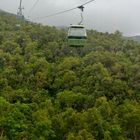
(50, 91)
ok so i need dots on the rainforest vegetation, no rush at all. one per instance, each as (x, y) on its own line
(49, 91)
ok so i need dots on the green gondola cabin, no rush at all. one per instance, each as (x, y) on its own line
(77, 36)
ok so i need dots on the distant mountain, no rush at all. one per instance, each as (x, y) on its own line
(1, 10)
(4, 13)
(11, 15)
(135, 38)
(62, 27)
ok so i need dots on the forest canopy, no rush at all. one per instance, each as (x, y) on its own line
(50, 91)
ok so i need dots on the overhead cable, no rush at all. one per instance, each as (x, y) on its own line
(34, 5)
(61, 12)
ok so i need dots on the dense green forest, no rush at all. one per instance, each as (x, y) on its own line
(49, 91)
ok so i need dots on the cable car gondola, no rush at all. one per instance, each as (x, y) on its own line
(77, 36)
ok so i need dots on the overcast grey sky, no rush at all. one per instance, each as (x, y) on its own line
(101, 15)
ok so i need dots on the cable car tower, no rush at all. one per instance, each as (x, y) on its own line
(20, 9)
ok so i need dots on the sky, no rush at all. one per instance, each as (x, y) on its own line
(100, 15)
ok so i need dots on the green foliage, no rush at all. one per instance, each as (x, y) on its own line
(49, 91)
